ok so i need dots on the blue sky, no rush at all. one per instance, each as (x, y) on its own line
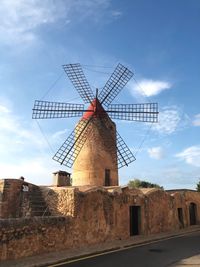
(158, 40)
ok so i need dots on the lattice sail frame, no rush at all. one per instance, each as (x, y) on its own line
(147, 112)
(50, 110)
(115, 84)
(124, 154)
(78, 79)
(68, 152)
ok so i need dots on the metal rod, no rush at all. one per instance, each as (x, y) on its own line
(64, 110)
(143, 112)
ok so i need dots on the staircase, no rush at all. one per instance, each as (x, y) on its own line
(37, 203)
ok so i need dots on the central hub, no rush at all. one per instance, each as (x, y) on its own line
(95, 110)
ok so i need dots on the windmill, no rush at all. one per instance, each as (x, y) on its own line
(94, 149)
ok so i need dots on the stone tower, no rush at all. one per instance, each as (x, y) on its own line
(96, 163)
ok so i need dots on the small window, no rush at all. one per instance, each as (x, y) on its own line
(107, 177)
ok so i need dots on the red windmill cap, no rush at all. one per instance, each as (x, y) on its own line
(95, 110)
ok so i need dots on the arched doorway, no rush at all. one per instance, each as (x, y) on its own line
(193, 213)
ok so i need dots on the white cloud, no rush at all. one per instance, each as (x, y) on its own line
(190, 155)
(156, 152)
(21, 19)
(170, 119)
(4, 109)
(93, 9)
(147, 87)
(196, 121)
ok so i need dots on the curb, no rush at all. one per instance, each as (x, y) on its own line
(79, 257)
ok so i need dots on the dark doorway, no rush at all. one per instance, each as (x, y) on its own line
(180, 217)
(135, 220)
(193, 213)
(107, 177)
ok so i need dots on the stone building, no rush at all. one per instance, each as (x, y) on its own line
(50, 218)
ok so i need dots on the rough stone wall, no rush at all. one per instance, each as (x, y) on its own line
(95, 223)
(105, 213)
(29, 236)
(192, 197)
(93, 215)
(11, 198)
(60, 200)
(182, 199)
(179, 201)
(110, 207)
(97, 208)
(159, 209)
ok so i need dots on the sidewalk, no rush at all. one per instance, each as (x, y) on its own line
(72, 254)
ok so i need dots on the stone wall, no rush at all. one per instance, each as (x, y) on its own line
(183, 200)
(60, 200)
(11, 198)
(159, 209)
(29, 236)
(89, 215)
(159, 212)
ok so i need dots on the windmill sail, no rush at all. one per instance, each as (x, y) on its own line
(124, 154)
(147, 112)
(51, 110)
(70, 149)
(115, 84)
(77, 77)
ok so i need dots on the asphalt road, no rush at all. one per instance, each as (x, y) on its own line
(171, 252)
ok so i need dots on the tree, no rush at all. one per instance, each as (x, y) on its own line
(137, 183)
(198, 187)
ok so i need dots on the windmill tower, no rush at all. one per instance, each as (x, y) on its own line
(94, 149)
(96, 163)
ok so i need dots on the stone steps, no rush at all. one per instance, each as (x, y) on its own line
(31, 201)
(37, 203)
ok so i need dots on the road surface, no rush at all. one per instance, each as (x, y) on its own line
(180, 251)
